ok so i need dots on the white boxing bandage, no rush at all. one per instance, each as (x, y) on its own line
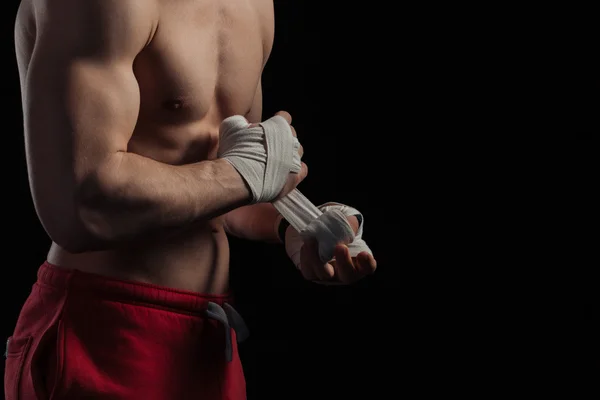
(263, 155)
(327, 224)
(358, 245)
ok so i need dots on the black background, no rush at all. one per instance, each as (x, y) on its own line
(410, 116)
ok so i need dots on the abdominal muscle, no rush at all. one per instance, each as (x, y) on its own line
(195, 261)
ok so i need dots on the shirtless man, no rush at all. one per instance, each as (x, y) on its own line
(123, 103)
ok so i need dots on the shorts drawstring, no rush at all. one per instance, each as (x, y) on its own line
(230, 319)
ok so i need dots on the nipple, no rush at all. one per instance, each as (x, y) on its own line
(173, 105)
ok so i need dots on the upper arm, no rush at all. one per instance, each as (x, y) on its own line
(80, 96)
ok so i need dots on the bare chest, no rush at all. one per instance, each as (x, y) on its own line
(204, 60)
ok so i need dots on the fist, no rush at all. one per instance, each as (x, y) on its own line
(293, 179)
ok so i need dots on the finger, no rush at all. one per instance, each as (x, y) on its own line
(366, 263)
(301, 151)
(329, 272)
(332, 276)
(303, 173)
(306, 268)
(294, 131)
(286, 115)
(324, 271)
(346, 271)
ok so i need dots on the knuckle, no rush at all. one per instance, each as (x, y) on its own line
(286, 115)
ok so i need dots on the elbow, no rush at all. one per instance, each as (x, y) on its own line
(70, 228)
(78, 217)
(83, 234)
(104, 209)
(97, 229)
(93, 207)
(84, 226)
(72, 235)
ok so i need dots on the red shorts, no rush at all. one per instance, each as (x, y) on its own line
(84, 336)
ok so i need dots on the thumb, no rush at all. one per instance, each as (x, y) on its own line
(286, 115)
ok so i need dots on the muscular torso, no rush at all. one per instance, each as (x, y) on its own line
(202, 65)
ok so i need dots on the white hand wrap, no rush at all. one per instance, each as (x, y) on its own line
(329, 229)
(358, 245)
(263, 155)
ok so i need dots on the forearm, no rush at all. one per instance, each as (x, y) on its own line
(132, 196)
(261, 222)
(258, 222)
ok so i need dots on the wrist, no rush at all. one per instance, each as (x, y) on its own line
(234, 181)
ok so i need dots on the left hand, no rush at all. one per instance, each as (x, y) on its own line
(342, 269)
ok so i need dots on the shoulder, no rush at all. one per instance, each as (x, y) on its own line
(24, 21)
(92, 12)
(99, 23)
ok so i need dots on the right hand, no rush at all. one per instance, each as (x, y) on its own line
(267, 155)
(293, 179)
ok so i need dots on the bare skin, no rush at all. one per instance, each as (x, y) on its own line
(122, 102)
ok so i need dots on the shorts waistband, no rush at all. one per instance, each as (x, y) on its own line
(89, 284)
